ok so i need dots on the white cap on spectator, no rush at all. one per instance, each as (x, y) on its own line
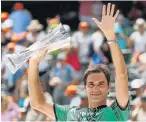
(34, 25)
(7, 24)
(67, 27)
(139, 21)
(137, 83)
(142, 58)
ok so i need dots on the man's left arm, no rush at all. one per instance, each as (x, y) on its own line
(107, 26)
(121, 77)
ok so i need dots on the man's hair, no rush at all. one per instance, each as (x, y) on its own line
(98, 68)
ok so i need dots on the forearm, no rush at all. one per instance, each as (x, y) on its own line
(35, 92)
(118, 59)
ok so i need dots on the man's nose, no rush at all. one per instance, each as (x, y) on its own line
(96, 87)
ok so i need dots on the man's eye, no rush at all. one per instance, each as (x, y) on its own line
(90, 85)
(101, 85)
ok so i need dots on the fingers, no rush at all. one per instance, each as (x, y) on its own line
(116, 14)
(43, 51)
(112, 10)
(103, 10)
(97, 22)
(108, 8)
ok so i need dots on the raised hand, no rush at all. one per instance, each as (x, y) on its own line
(108, 21)
(39, 55)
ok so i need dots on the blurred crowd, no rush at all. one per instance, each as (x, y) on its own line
(61, 71)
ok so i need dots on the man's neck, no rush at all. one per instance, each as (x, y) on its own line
(93, 105)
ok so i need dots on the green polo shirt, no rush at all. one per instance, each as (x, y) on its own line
(101, 113)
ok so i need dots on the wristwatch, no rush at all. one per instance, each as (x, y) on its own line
(111, 41)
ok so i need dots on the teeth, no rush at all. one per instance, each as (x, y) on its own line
(95, 94)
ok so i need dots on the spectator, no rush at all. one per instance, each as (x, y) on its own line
(138, 86)
(98, 40)
(66, 74)
(73, 60)
(21, 18)
(35, 31)
(142, 67)
(13, 80)
(139, 114)
(82, 39)
(7, 28)
(4, 113)
(20, 44)
(138, 37)
(71, 92)
(4, 16)
(52, 23)
(10, 109)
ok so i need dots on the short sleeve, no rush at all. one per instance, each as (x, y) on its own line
(121, 114)
(60, 112)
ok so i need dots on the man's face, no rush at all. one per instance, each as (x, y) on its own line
(84, 29)
(97, 88)
(141, 28)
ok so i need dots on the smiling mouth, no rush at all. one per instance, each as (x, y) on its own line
(95, 94)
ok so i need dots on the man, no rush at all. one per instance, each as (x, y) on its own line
(82, 40)
(138, 37)
(138, 86)
(21, 18)
(96, 84)
(139, 113)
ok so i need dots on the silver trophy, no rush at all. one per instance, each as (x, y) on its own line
(57, 38)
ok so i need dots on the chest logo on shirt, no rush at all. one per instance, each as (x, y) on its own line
(88, 115)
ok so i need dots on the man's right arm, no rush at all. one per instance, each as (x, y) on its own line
(37, 99)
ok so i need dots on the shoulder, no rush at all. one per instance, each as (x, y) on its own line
(12, 14)
(135, 33)
(77, 33)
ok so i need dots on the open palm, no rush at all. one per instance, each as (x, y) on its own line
(108, 20)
